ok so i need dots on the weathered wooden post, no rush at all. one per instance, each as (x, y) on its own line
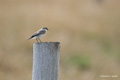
(46, 61)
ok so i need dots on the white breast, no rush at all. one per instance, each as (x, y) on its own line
(42, 35)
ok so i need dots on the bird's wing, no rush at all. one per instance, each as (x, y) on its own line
(37, 33)
(40, 32)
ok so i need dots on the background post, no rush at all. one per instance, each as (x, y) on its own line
(46, 61)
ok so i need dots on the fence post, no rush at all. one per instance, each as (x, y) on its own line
(46, 60)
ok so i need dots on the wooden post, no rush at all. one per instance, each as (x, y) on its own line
(46, 61)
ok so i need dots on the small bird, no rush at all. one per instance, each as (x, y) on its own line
(40, 33)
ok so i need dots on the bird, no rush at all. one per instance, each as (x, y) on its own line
(40, 33)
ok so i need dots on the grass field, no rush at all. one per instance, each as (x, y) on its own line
(89, 32)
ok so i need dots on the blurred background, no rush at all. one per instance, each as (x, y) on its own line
(89, 32)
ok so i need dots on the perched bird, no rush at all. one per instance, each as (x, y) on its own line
(40, 33)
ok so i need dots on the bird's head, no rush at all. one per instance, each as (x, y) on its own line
(45, 28)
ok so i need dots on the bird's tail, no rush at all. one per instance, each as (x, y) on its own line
(29, 38)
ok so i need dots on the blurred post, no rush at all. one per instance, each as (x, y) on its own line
(46, 61)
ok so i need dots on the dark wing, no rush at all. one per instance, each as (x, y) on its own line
(37, 33)
(41, 32)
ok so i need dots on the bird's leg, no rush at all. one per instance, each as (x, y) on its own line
(39, 39)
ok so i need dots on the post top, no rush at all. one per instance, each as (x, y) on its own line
(48, 43)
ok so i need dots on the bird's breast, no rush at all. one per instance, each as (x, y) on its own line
(41, 35)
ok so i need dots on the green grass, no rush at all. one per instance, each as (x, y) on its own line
(82, 62)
